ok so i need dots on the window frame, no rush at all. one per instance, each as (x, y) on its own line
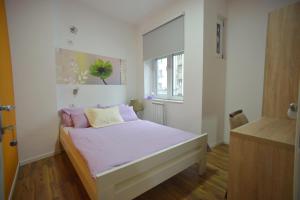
(170, 80)
(176, 97)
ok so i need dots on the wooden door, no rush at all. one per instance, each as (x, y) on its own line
(282, 67)
(10, 154)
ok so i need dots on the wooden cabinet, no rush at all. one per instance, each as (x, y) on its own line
(261, 160)
(261, 153)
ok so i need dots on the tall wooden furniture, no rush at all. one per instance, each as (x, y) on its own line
(261, 153)
(282, 68)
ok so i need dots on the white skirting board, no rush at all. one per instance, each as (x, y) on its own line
(38, 157)
(216, 144)
(14, 183)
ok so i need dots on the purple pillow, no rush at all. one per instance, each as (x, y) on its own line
(80, 120)
(127, 113)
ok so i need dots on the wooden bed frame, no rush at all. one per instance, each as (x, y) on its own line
(130, 180)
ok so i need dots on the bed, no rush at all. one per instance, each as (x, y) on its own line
(125, 174)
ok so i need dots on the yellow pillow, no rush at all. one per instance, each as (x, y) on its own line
(101, 117)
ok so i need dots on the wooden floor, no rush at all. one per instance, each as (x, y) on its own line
(55, 178)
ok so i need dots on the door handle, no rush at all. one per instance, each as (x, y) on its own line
(8, 128)
(293, 107)
(292, 111)
(3, 129)
(7, 108)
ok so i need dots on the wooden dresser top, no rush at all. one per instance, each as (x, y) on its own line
(277, 131)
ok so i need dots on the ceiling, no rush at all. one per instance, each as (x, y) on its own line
(130, 11)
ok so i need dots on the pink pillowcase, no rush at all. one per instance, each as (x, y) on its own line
(66, 119)
(80, 120)
(74, 117)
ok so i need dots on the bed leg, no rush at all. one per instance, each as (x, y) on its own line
(201, 166)
(107, 194)
(202, 161)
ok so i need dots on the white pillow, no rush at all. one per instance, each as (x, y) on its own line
(101, 117)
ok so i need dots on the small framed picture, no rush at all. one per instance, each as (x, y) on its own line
(220, 37)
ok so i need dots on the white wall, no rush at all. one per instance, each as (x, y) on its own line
(214, 74)
(31, 29)
(104, 95)
(36, 28)
(187, 115)
(247, 26)
(97, 34)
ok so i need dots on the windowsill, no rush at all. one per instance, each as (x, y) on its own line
(166, 100)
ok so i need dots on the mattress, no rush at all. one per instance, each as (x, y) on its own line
(113, 146)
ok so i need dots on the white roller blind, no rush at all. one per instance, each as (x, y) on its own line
(164, 40)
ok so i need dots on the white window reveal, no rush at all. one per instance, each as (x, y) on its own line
(168, 78)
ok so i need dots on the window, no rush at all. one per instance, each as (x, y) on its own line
(177, 86)
(162, 77)
(163, 55)
(168, 77)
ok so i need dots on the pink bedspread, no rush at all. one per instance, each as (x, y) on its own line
(112, 146)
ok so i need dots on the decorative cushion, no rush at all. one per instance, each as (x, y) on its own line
(66, 119)
(80, 120)
(127, 113)
(101, 117)
(79, 116)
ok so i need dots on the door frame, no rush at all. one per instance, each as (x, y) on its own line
(1, 173)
